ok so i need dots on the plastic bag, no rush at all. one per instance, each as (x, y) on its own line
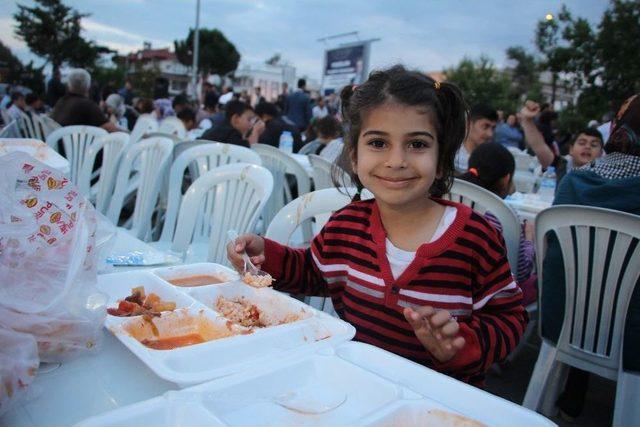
(18, 366)
(48, 260)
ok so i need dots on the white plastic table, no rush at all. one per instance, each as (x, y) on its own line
(36, 149)
(125, 242)
(528, 206)
(87, 386)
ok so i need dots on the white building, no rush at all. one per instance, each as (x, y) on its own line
(173, 74)
(269, 78)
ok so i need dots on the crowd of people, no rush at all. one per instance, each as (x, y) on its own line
(402, 135)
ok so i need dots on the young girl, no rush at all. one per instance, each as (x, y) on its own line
(418, 276)
(492, 166)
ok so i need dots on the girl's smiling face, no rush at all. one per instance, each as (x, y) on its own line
(397, 154)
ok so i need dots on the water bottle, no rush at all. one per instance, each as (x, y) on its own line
(286, 142)
(547, 188)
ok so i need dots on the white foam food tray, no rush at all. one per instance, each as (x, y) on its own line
(352, 384)
(220, 357)
(204, 268)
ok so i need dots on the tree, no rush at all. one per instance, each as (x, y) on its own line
(617, 51)
(217, 55)
(602, 65)
(13, 71)
(524, 74)
(481, 82)
(52, 31)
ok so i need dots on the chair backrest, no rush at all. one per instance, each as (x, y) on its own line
(323, 173)
(176, 139)
(277, 162)
(145, 124)
(320, 202)
(309, 147)
(76, 141)
(6, 117)
(483, 201)
(234, 195)
(601, 268)
(112, 146)
(149, 159)
(11, 130)
(31, 126)
(200, 159)
(173, 126)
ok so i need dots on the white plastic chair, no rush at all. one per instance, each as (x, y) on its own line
(200, 159)
(482, 201)
(318, 204)
(322, 173)
(173, 126)
(145, 124)
(234, 196)
(35, 126)
(76, 141)
(112, 146)
(602, 266)
(309, 147)
(277, 162)
(150, 158)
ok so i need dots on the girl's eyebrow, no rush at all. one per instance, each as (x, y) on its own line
(416, 133)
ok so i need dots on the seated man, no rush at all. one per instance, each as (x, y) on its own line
(274, 126)
(75, 108)
(482, 123)
(18, 105)
(238, 127)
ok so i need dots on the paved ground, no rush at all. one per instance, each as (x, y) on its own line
(512, 383)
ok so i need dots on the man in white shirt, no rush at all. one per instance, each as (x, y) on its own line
(482, 124)
(320, 110)
(18, 105)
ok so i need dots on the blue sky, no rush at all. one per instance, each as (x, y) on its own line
(426, 34)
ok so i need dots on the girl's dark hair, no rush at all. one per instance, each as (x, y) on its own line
(488, 163)
(443, 101)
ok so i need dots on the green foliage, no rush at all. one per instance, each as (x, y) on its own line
(53, 32)
(617, 51)
(524, 75)
(602, 64)
(144, 79)
(481, 82)
(14, 72)
(217, 55)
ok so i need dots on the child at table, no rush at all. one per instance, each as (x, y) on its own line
(421, 277)
(492, 166)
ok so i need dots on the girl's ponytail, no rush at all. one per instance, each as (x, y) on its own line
(452, 111)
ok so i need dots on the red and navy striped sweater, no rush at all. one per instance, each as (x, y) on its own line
(465, 271)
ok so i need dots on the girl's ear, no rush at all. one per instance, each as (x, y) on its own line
(354, 161)
(506, 185)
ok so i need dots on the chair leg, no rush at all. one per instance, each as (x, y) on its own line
(545, 366)
(627, 410)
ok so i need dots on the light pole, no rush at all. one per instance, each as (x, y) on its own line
(196, 49)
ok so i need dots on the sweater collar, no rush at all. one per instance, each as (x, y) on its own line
(379, 234)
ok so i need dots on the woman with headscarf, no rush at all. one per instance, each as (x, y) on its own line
(612, 183)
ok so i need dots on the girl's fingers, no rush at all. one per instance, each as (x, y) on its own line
(440, 319)
(458, 343)
(450, 329)
(257, 259)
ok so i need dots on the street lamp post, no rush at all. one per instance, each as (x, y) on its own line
(196, 49)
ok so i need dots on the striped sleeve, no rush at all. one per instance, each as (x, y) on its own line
(498, 318)
(294, 270)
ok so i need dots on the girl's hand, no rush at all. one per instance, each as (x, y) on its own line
(253, 244)
(436, 330)
(529, 230)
